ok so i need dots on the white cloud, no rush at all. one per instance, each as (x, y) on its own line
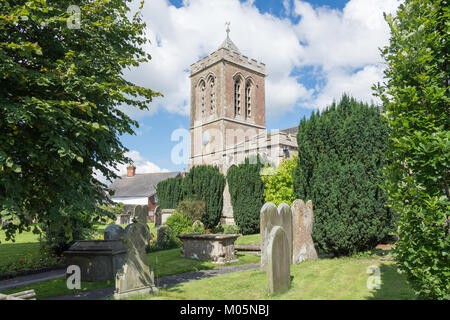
(142, 166)
(344, 44)
(356, 84)
(333, 41)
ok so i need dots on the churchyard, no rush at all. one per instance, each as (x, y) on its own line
(350, 202)
(312, 278)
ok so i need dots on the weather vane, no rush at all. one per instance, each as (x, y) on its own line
(228, 28)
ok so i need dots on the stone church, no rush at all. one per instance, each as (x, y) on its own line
(228, 115)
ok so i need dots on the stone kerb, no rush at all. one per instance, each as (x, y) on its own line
(270, 217)
(302, 226)
(278, 261)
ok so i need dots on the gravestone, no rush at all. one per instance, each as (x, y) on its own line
(113, 232)
(98, 260)
(158, 213)
(135, 277)
(278, 261)
(165, 214)
(124, 218)
(270, 217)
(140, 214)
(302, 225)
(164, 237)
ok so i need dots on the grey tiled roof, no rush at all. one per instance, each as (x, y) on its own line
(291, 130)
(140, 185)
(229, 45)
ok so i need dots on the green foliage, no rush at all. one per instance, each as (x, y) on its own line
(278, 185)
(169, 193)
(230, 229)
(198, 227)
(206, 183)
(179, 223)
(194, 209)
(416, 103)
(59, 96)
(341, 156)
(247, 194)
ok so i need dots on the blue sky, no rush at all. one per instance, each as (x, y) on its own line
(314, 51)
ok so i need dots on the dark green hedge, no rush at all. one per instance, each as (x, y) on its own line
(341, 156)
(206, 183)
(247, 195)
(169, 193)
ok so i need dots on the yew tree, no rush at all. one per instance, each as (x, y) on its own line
(61, 86)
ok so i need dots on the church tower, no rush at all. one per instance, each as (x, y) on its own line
(227, 104)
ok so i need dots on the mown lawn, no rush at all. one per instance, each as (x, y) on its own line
(248, 239)
(169, 262)
(330, 279)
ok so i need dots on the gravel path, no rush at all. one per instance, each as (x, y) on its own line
(162, 282)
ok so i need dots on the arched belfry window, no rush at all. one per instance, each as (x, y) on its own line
(202, 94)
(212, 94)
(248, 99)
(237, 96)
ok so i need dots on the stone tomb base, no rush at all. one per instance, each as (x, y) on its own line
(98, 260)
(219, 248)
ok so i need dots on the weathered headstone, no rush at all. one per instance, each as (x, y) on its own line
(163, 237)
(113, 232)
(302, 225)
(270, 217)
(278, 261)
(135, 276)
(140, 214)
(158, 213)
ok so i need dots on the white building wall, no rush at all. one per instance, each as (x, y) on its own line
(131, 200)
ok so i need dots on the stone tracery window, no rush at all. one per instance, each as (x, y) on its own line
(248, 99)
(212, 95)
(237, 97)
(203, 97)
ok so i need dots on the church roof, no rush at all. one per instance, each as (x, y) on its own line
(140, 185)
(291, 130)
(227, 43)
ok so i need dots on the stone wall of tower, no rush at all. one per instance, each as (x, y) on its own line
(224, 127)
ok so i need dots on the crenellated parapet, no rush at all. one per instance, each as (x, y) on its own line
(229, 56)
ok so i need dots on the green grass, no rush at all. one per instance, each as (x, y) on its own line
(331, 279)
(169, 262)
(164, 263)
(58, 287)
(249, 239)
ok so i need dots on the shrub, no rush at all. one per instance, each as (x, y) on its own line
(341, 156)
(278, 185)
(230, 229)
(179, 223)
(416, 102)
(247, 194)
(166, 239)
(198, 227)
(57, 239)
(169, 193)
(206, 183)
(194, 209)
